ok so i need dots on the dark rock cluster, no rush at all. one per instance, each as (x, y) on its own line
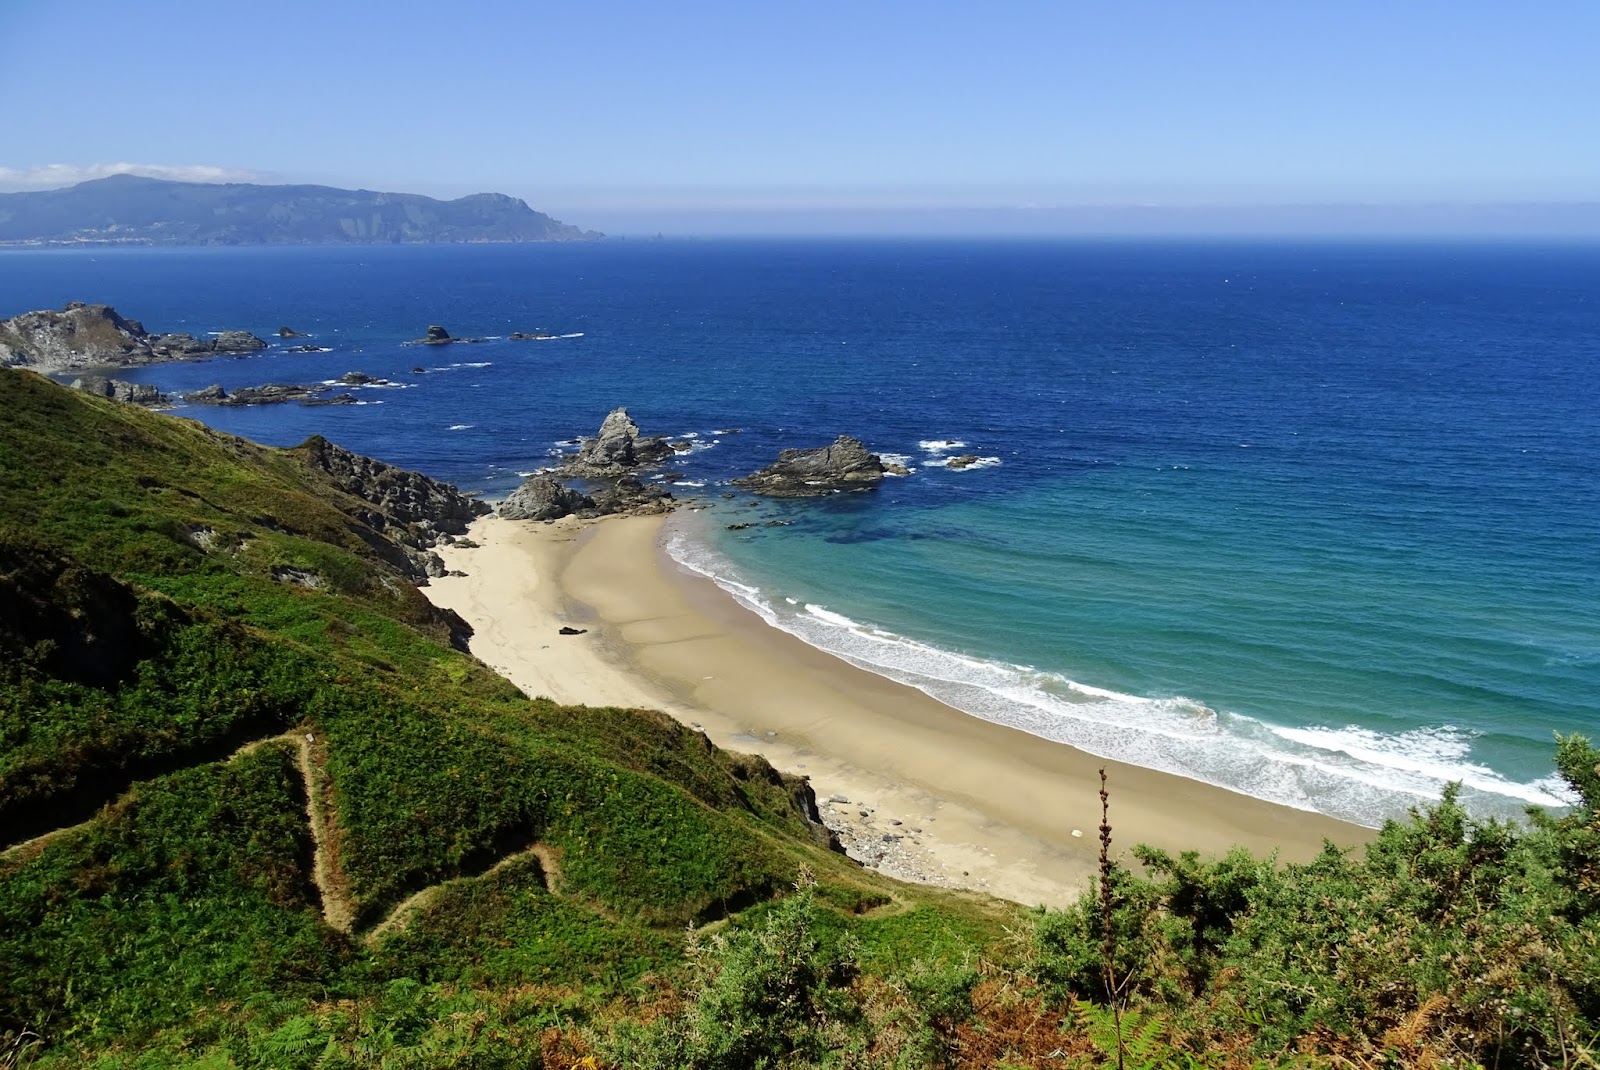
(121, 390)
(843, 465)
(608, 465)
(409, 508)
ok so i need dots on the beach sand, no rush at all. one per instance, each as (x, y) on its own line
(915, 788)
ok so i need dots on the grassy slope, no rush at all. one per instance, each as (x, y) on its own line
(139, 657)
(507, 866)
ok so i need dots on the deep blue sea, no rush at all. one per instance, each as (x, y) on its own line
(1316, 522)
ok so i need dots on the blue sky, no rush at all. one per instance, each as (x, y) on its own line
(697, 115)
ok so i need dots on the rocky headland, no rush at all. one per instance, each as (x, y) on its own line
(845, 464)
(408, 508)
(95, 336)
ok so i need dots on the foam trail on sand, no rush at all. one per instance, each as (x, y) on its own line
(1349, 773)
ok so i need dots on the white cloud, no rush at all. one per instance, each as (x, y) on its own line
(58, 175)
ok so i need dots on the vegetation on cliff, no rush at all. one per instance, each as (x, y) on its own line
(258, 809)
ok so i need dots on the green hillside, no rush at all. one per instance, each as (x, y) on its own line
(259, 809)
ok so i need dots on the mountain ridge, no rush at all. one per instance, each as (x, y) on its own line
(132, 210)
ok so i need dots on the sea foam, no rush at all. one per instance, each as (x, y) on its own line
(1349, 773)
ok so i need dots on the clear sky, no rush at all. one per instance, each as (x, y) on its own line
(716, 115)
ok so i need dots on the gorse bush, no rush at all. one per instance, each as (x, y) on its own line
(1465, 939)
(772, 995)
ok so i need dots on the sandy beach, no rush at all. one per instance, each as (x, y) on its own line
(915, 788)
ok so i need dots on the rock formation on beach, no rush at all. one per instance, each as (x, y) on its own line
(85, 336)
(543, 497)
(844, 464)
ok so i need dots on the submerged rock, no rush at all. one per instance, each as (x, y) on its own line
(844, 464)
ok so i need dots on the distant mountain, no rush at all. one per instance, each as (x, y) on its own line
(126, 209)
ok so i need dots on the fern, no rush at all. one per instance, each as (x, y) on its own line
(1143, 1047)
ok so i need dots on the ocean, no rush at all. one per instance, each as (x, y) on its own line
(1316, 522)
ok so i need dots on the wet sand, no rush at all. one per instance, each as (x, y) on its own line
(916, 788)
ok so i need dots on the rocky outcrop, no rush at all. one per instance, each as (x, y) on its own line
(629, 495)
(607, 464)
(401, 495)
(843, 465)
(79, 335)
(438, 336)
(290, 332)
(617, 450)
(543, 497)
(265, 394)
(410, 509)
(84, 336)
(121, 390)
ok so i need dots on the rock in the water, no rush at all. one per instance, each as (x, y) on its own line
(438, 336)
(207, 395)
(617, 449)
(237, 342)
(290, 332)
(965, 460)
(265, 394)
(357, 379)
(845, 464)
(337, 399)
(121, 390)
(542, 497)
(628, 495)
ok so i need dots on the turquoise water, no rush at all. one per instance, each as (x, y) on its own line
(1319, 523)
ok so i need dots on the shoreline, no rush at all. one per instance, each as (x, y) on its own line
(915, 788)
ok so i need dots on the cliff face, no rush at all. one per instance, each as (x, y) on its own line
(145, 211)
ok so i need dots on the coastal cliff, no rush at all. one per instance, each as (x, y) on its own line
(128, 210)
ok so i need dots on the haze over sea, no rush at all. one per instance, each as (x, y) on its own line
(1318, 522)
